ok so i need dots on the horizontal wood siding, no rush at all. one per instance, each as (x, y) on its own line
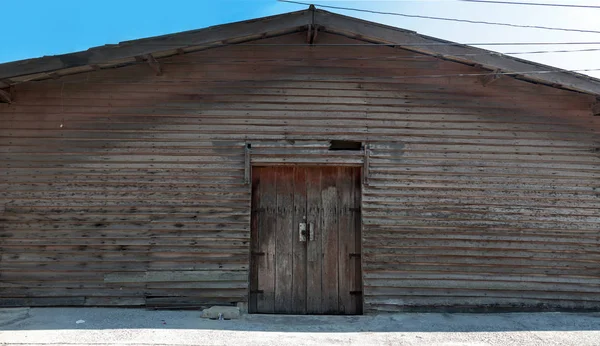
(120, 187)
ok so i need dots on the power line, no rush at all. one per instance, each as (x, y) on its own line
(385, 57)
(537, 52)
(415, 76)
(444, 18)
(528, 3)
(495, 73)
(395, 44)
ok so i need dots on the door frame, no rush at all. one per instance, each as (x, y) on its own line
(252, 269)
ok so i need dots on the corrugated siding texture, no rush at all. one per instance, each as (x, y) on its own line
(122, 187)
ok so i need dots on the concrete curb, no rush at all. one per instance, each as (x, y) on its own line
(12, 315)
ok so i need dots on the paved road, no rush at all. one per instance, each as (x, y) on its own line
(136, 327)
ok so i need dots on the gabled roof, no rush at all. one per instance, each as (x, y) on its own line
(152, 48)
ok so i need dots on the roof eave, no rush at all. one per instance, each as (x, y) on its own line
(128, 50)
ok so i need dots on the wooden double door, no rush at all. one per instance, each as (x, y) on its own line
(305, 251)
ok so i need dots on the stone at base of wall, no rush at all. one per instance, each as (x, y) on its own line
(243, 306)
(222, 312)
(11, 315)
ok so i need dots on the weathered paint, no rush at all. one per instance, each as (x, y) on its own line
(120, 187)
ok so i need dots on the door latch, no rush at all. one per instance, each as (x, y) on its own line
(306, 231)
(302, 231)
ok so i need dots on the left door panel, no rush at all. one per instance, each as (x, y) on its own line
(277, 283)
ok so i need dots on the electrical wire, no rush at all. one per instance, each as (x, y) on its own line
(528, 3)
(426, 56)
(384, 57)
(443, 18)
(416, 76)
(368, 44)
(496, 73)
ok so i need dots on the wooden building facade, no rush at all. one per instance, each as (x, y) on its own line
(301, 163)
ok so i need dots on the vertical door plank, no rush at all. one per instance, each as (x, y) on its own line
(357, 285)
(299, 248)
(313, 248)
(328, 232)
(265, 301)
(254, 243)
(345, 186)
(284, 240)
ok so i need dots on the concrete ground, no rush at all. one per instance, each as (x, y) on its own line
(96, 326)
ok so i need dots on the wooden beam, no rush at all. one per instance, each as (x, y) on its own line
(247, 164)
(490, 78)
(366, 167)
(156, 66)
(5, 97)
(4, 83)
(176, 275)
(311, 34)
(596, 108)
(152, 62)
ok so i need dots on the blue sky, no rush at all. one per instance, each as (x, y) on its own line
(36, 28)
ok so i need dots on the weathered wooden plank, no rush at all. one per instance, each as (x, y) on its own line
(411, 116)
(179, 276)
(346, 240)
(350, 90)
(42, 301)
(468, 303)
(115, 301)
(134, 266)
(265, 299)
(255, 249)
(508, 88)
(328, 232)
(401, 274)
(357, 269)
(299, 271)
(73, 292)
(285, 232)
(450, 292)
(494, 286)
(183, 101)
(314, 252)
(224, 293)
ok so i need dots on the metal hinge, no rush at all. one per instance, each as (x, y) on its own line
(257, 253)
(357, 255)
(356, 293)
(257, 291)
